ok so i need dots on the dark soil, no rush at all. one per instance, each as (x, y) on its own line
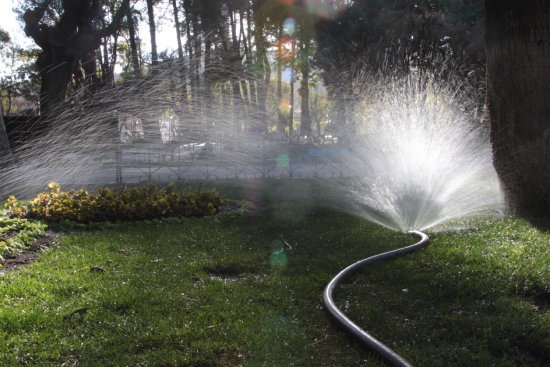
(29, 255)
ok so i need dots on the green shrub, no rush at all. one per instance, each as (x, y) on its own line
(138, 203)
(17, 233)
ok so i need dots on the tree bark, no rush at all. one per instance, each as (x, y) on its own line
(152, 32)
(305, 119)
(103, 55)
(178, 30)
(280, 116)
(291, 109)
(55, 75)
(5, 152)
(518, 76)
(133, 45)
(262, 74)
(89, 65)
(189, 45)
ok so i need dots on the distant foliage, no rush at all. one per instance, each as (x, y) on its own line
(16, 234)
(138, 203)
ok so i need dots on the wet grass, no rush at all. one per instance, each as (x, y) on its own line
(238, 290)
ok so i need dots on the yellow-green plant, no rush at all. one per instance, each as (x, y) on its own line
(137, 203)
(17, 233)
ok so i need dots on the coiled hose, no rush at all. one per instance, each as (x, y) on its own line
(355, 330)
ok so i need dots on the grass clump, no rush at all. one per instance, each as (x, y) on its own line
(137, 203)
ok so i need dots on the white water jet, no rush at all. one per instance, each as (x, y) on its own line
(419, 154)
(426, 153)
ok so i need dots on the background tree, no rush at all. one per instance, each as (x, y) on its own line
(305, 37)
(518, 78)
(152, 31)
(20, 85)
(270, 15)
(177, 26)
(5, 152)
(133, 59)
(394, 36)
(108, 53)
(67, 33)
(228, 59)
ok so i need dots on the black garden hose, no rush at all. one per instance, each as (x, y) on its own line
(355, 330)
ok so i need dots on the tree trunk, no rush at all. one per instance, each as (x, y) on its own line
(152, 32)
(237, 106)
(305, 120)
(107, 77)
(133, 45)
(197, 60)
(181, 89)
(89, 65)
(251, 79)
(207, 81)
(178, 30)
(262, 74)
(9, 95)
(114, 56)
(280, 117)
(189, 46)
(518, 76)
(5, 152)
(55, 75)
(291, 109)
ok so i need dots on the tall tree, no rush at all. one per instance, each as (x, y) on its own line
(5, 152)
(291, 109)
(305, 37)
(262, 72)
(108, 54)
(135, 60)
(518, 76)
(177, 25)
(376, 36)
(65, 41)
(4, 142)
(280, 116)
(305, 119)
(152, 31)
(20, 85)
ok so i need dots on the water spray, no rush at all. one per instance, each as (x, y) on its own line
(427, 160)
(349, 325)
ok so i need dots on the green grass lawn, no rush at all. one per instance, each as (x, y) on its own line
(246, 290)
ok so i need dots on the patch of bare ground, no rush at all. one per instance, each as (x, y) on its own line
(15, 261)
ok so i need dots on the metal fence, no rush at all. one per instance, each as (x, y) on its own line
(207, 161)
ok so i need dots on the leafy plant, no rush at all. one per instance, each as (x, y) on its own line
(17, 234)
(137, 203)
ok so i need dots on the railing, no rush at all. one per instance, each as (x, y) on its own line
(134, 163)
(76, 165)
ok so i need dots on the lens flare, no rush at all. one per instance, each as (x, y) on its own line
(284, 106)
(289, 26)
(286, 48)
(278, 259)
(283, 160)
